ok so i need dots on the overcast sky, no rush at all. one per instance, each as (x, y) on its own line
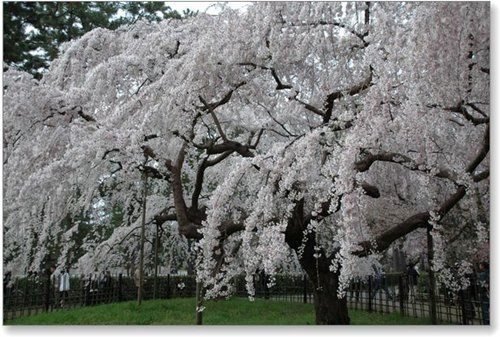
(202, 5)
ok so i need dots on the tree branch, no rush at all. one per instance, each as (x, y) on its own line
(482, 153)
(421, 220)
(214, 117)
(224, 100)
(279, 84)
(461, 109)
(86, 117)
(108, 152)
(310, 107)
(243, 150)
(200, 175)
(257, 141)
(357, 89)
(186, 227)
(164, 217)
(276, 121)
(408, 163)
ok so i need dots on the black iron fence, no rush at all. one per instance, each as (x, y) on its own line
(394, 293)
(398, 293)
(28, 296)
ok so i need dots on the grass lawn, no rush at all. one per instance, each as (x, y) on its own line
(237, 311)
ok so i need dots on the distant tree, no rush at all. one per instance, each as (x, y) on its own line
(33, 31)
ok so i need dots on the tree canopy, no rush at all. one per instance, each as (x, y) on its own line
(328, 131)
(33, 31)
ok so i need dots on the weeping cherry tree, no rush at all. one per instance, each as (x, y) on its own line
(326, 131)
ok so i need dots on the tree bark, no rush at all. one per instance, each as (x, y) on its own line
(330, 310)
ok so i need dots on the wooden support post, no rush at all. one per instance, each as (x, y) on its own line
(140, 289)
(157, 239)
(305, 288)
(199, 304)
(432, 280)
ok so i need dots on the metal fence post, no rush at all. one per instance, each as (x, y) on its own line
(47, 291)
(86, 291)
(120, 287)
(401, 295)
(370, 302)
(168, 286)
(295, 288)
(461, 297)
(305, 289)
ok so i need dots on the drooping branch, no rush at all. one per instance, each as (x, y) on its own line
(367, 19)
(142, 84)
(214, 117)
(152, 172)
(461, 108)
(279, 85)
(119, 168)
(282, 125)
(274, 74)
(86, 117)
(243, 150)
(309, 107)
(326, 112)
(344, 27)
(369, 159)
(485, 149)
(107, 152)
(227, 97)
(355, 90)
(164, 216)
(421, 220)
(384, 240)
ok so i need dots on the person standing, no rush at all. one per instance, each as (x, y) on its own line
(63, 287)
(50, 288)
(413, 275)
(467, 298)
(6, 281)
(484, 291)
(107, 291)
(380, 282)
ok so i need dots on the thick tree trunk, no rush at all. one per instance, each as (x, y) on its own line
(330, 310)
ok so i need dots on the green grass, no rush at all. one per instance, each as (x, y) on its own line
(236, 311)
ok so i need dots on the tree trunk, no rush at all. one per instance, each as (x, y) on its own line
(330, 310)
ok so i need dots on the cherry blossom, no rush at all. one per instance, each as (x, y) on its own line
(324, 133)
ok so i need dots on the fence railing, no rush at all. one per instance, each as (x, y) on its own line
(396, 293)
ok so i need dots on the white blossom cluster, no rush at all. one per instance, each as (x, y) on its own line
(269, 128)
